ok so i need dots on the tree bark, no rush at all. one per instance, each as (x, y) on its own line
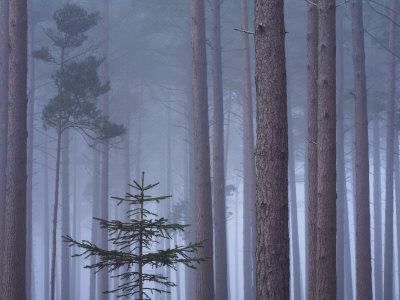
(378, 271)
(205, 271)
(46, 225)
(4, 40)
(388, 268)
(363, 241)
(15, 218)
(326, 209)
(249, 168)
(272, 254)
(221, 274)
(397, 184)
(312, 132)
(65, 226)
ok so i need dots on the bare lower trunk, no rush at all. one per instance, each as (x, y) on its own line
(46, 225)
(326, 209)
(363, 241)
(205, 271)
(312, 168)
(397, 184)
(272, 254)
(388, 268)
(249, 174)
(3, 126)
(65, 249)
(378, 270)
(15, 217)
(221, 274)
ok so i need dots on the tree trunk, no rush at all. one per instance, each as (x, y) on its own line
(397, 185)
(103, 274)
(65, 249)
(378, 271)
(95, 213)
(57, 185)
(31, 113)
(15, 217)
(4, 40)
(272, 254)
(205, 271)
(326, 209)
(228, 130)
(293, 210)
(388, 268)
(312, 106)
(221, 274)
(249, 168)
(46, 225)
(363, 241)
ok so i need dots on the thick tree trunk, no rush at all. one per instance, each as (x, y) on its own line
(378, 271)
(95, 213)
(326, 209)
(3, 125)
(363, 241)
(15, 218)
(312, 132)
(388, 268)
(103, 274)
(249, 168)
(297, 280)
(221, 274)
(272, 254)
(65, 226)
(205, 271)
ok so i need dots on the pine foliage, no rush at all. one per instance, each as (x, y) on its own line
(135, 257)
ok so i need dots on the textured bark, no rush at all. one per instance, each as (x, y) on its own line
(378, 268)
(65, 230)
(103, 274)
(312, 131)
(297, 280)
(388, 268)
(221, 274)
(204, 230)
(3, 126)
(249, 168)
(326, 209)
(15, 221)
(272, 253)
(363, 240)
(95, 213)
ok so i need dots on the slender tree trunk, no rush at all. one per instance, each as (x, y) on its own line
(65, 226)
(388, 268)
(57, 185)
(312, 167)
(103, 275)
(343, 255)
(326, 209)
(205, 271)
(95, 213)
(228, 131)
(75, 275)
(397, 185)
(221, 274)
(31, 113)
(378, 271)
(46, 225)
(363, 241)
(249, 175)
(297, 280)
(272, 254)
(15, 218)
(4, 40)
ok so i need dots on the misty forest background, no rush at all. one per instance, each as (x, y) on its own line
(154, 61)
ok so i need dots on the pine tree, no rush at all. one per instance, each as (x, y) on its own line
(134, 240)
